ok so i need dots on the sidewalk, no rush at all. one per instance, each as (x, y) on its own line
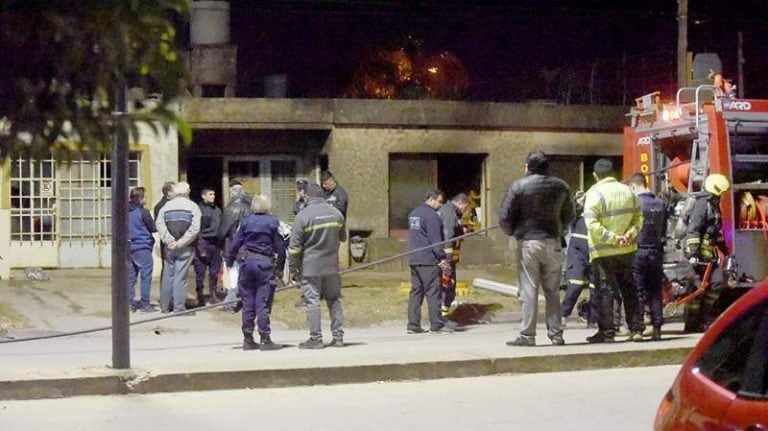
(176, 360)
(200, 353)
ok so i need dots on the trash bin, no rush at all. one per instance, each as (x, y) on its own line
(357, 247)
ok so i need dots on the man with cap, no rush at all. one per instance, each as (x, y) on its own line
(614, 219)
(313, 257)
(301, 195)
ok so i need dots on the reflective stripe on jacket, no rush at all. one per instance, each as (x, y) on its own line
(611, 210)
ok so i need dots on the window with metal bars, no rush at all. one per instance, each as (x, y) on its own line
(66, 201)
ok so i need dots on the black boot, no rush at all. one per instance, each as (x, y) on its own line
(268, 344)
(249, 343)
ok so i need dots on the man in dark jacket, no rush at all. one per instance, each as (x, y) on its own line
(334, 193)
(301, 197)
(208, 252)
(167, 195)
(425, 228)
(648, 269)
(534, 211)
(238, 208)
(451, 213)
(313, 255)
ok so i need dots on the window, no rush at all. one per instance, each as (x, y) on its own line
(33, 200)
(726, 360)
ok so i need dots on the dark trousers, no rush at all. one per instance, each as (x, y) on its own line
(425, 282)
(578, 277)
(618, 281)
(257, 287)
(648, 272)
(207, 257)
(449, 291)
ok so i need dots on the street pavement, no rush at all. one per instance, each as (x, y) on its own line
(623, 399)
(198, 353)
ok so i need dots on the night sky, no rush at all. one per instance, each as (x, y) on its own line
(508, 48)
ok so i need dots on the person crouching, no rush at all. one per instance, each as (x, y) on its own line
(256, 245)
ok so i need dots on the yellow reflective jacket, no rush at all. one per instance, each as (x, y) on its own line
(611, 210)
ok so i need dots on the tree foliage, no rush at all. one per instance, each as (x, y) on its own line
(62, 62)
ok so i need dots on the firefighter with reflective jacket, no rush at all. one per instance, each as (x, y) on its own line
(703, 238)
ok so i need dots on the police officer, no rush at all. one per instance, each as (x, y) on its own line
(425, 228)
(614, 219)
(578, 271)
(262, 243)
(648, 269)
(703, 238)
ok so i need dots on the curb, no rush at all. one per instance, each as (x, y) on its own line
(132, 383)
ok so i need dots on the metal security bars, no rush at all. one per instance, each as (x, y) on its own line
(85, 198)
(33, 200)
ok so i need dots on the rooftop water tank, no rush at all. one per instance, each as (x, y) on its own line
(209, 23)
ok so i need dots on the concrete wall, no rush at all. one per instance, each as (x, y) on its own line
(363, 133)
(359, 158)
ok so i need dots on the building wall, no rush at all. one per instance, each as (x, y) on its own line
(359, 158)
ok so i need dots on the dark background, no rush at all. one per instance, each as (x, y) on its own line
(511, 50)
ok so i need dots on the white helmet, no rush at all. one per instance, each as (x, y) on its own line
(717, 184)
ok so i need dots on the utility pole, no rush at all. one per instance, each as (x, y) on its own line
(121, 340)
(740, 61)
(682, 43)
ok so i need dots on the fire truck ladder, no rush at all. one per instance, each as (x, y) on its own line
(700, 145)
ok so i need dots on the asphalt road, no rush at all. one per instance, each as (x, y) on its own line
(613, 399)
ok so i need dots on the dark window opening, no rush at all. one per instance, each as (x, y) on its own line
(213, 90)
(411, 176)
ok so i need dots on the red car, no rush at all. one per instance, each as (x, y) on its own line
(723, 384)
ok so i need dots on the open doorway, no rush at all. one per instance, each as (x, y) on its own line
(411, 176)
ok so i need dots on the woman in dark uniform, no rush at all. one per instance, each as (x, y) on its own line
(257, 245)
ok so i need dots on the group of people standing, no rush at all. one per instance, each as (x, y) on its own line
(616, 244)
(617, 236)
(250, 242)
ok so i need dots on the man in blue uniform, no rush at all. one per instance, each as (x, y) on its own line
(260, 244)
(425, 228)
(648, 269)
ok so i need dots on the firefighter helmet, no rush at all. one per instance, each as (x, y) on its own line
(717, 184)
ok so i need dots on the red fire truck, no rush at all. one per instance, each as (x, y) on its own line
(677, 144)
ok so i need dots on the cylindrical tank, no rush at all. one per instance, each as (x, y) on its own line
(209, 23)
